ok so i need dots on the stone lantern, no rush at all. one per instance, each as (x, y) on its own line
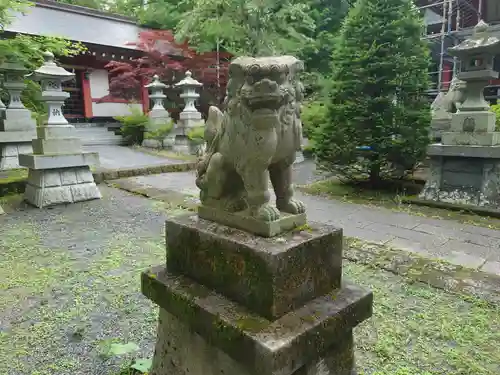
(474, 123)
(158, 116)
(59, 172)
(189, 117)
(464, 169)
(18, 127)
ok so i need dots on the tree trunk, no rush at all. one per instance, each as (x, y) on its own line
(375, 175)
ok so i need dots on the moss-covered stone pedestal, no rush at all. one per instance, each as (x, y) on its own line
(236, 303)
(464, 175)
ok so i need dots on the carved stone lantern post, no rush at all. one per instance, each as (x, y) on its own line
(59, 171)
(17, 128)
(465, 168)
(158, 116)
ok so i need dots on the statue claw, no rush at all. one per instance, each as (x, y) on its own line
(268, 213)
(292, 206)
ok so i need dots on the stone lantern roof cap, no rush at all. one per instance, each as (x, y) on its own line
(189, 81)
(12, 66)
(156, 83)
(480, 42)
(49, 69)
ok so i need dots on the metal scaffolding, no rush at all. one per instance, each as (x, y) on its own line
(448, 22)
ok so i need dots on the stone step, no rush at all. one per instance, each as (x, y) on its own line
(110, 141)
(90, 125)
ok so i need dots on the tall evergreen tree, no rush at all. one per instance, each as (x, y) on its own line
(378, 93)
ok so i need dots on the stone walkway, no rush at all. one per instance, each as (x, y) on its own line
(115, 157)
(467, 245)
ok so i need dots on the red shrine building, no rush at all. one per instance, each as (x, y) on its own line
(106, 37)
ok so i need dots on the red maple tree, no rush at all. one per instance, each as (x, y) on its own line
(169, 60)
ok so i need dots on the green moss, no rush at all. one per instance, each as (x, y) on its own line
(223, 269)
(252, 324)
(393, 200)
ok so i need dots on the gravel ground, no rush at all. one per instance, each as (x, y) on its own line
(70, 280)
(69, 283)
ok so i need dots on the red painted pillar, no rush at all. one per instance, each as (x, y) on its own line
(87, 97)
(446, 75)
(144, 96)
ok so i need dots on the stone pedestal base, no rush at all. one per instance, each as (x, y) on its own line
(236, 303)
(58, 179)
(464, 175)
(202, 333)
(12, 144)
(438, 127)
(9, 154)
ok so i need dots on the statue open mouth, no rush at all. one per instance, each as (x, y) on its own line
(264, 106)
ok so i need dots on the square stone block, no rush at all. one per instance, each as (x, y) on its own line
(17, 136)
(8, 162)
(47, 178)
(18, 119)
(33, 161)
(47, 196)
(68, 176)
(56, 131)
(206, 333)
(479, 122)
(472, 139)
(85, 192)
(271, 276)
(84, 175)
(57, 146)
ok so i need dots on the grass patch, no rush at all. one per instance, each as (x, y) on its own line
(13, 175)
(391, 197)
(165, 153)
(419, 330)
(61, 296)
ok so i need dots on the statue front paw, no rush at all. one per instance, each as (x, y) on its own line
(268, 213)
(291, 206)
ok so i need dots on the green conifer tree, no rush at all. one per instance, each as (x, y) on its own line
(377, 96)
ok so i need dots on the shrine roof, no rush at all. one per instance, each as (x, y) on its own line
(76, 23)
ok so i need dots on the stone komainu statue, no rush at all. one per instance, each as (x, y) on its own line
(452, 100)
(255, 138)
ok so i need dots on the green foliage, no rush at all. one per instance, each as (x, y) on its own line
(160, 132)
(197, 135)
(111, 348)
(377, 95)
(496, 109)
(31, 100)
(133, 126)
(313, 115)
(8, 8)
(254, 27)
(28, 51)
(142, 365)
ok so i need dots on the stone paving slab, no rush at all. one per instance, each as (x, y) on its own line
(114, 157)
(460, 244)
